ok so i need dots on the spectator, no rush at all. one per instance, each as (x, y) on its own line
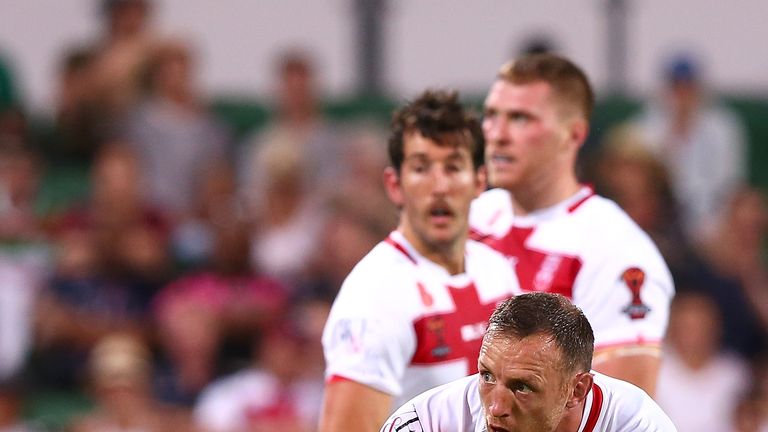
(298, 125)
(701, 142)
(111, 257)
(280, 392)
(699, 384)
(120, 372)
(204, 309)
(176, 138)
(120, 55)
(290, 218)
(76, 136)
(737, 277)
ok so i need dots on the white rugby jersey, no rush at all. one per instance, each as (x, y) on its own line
(589, 250)
(611, 405)
(402, 324)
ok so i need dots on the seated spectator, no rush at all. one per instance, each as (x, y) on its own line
(111, 258)
(215, 202)
(289, 222)
(699, 384)
(356, 225)
(76, 134)
(175, 137)
(281, 391)
(299, 127)
(737, 276)
(120, 381)
(223, 302)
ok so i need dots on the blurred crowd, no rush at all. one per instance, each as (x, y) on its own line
(187, 290)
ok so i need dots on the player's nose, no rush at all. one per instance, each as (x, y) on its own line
(440, 182)
(499, 405)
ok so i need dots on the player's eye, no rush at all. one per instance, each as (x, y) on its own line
(453, 167)
(521, 387)
(486, 377)
(519, 117)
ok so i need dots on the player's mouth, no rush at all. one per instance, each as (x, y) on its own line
(440, 214)
(500, 160)
(495, 428)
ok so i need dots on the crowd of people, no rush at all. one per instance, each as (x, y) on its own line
(190, 288)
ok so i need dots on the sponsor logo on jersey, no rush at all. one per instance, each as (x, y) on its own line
(470, 332)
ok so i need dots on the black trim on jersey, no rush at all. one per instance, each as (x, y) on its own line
(408, 422)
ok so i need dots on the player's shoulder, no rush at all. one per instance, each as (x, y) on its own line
(491, 213)
(624, 403)
(604, 215)
(452, 406)
(380, 281)
(384, 261)
(482, 252)
(620, 388)
(604, 222)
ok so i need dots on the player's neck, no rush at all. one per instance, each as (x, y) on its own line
(449, 256)
(543, 194)
(573, 417)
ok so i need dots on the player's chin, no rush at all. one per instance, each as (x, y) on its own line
(444, 236)
(502, 179)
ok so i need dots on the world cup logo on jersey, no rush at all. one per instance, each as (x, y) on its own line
(436, 327)
(634, 278)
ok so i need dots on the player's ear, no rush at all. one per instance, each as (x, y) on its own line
(578, 131)
(392, 186)
(581, 387)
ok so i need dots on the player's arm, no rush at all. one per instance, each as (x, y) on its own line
(351, 406)
(636, 364)
(629, 310)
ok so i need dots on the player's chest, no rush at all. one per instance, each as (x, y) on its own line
(453, 320)
(541, 262)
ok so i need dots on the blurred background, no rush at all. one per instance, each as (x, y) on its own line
(184, 184)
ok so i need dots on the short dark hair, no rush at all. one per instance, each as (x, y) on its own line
(552, 315)
(440, 117)
(569, 83)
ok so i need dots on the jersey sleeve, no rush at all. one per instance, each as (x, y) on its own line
(625, 290)
(369, 337)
